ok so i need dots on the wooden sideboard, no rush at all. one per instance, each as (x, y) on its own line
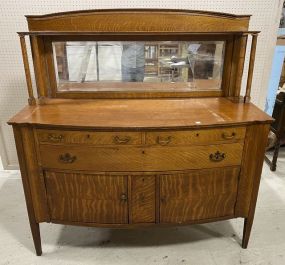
(139, 158)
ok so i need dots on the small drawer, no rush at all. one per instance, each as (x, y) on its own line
(94, 158)
(87, 137)
(196, 137)
(158, 158)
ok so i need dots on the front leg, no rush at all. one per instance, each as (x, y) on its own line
(35, 228)
(246, 231)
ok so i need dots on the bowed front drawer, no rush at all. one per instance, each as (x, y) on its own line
(88, 137)
(143, 157)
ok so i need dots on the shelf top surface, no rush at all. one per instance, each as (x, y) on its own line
(140, 113)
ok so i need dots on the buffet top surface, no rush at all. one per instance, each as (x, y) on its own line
(141, 113)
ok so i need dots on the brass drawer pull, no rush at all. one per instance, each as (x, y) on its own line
(55, 138)
(123, 140)
(124, 197)
(217, 157)
(163, 141)
(229, 137)
(67, 158)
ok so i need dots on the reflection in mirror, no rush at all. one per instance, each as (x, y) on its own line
(138, 66)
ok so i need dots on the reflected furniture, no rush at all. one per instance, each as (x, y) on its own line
(181, 147)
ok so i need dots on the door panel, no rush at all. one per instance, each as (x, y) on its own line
(80, 197)
(142, 209)
(198, 194)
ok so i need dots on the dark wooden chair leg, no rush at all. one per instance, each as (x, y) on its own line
(246, 231)
(275, 155)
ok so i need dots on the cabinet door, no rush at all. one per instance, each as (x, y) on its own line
(198, 195)
(81, 197)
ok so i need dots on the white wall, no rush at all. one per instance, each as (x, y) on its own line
(13, 95)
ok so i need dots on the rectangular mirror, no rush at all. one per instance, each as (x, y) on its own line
(138, 66)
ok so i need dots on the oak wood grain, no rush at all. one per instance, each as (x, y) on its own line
(125, 158)
(88, 137)
(143, 199)
(142, 225)
(198, 195)
(35, 176)
(31, 99)
(254, 146)
(157, 20)
(79, 197)
(41, 76)
(141, 114)
(34, 225)
(194, 137)
(163, 159)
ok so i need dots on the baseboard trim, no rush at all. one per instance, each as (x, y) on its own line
(11, 167)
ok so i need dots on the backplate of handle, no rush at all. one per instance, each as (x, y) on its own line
(217, 157)
(55, 138)
(122, 140)
(163, 140)
(229, 136)
(66, 158)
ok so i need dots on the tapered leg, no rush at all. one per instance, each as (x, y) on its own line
(246, 231)
(255, 143)
(35, 228)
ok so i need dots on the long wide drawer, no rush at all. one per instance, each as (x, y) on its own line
(135, 158)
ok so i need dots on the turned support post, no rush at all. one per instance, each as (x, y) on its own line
(31, 100)
(250, 68)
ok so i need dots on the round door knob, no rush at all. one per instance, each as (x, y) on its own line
(124, 197)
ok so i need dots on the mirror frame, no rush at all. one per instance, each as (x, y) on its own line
(139, 25)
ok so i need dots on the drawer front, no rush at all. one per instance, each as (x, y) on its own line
(89, 138)
(205, 136)
(198, 194)
(78, 197)
(192, 157)
(139, 158)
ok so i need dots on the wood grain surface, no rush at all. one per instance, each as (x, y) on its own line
(141, 114)
(255, 141)
(30, 200)
(88, 137)
(163, 138)
(195, 137)
(34, 175)
(83, 197)
(163, 159)
(143, 202)
(139, 158)
(198, 195)
(141, 20)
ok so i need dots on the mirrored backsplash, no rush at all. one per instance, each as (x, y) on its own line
(138, 66)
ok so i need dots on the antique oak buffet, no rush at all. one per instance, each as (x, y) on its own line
(139, 120)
